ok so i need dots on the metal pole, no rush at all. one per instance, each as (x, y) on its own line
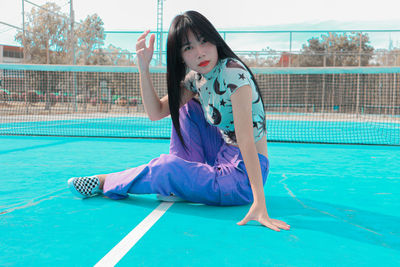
(23, 31)
(394, 93)
(72, 36)
(24, 59)
(159, 29)
(360, 50)
(358, 77)
(72, 18)
(290, 49)
(160, 52)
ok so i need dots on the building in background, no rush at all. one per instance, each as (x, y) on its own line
(11, 54)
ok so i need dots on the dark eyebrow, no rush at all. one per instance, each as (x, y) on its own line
(187, 43)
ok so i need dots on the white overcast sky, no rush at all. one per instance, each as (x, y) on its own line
(231, 14)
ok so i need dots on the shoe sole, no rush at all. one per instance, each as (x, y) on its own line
(170, 198)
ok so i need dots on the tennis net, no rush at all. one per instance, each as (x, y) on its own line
(317, 105)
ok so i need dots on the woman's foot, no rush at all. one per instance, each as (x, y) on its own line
(84, 187)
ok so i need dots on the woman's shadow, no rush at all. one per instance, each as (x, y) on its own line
(352, 223)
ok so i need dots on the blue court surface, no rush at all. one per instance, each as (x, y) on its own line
(342, 202)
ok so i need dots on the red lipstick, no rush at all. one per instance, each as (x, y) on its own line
(204, 63)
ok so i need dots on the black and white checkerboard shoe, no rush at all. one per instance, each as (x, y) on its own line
(84, 187)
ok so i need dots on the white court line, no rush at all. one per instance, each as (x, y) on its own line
(119, 251)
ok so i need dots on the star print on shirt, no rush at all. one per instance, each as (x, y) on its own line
(241, 76)
(222, 103)
(255, 125)
(263, 123)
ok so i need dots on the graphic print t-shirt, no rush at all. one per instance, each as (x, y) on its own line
(215, 90)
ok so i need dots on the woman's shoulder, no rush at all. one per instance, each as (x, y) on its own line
(232, 63)
(235, 74)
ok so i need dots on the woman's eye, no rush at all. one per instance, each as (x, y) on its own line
(203, 41)
(186, 48)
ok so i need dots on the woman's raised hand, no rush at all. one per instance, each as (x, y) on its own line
(144, 54)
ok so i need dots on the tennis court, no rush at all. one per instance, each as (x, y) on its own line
(342, 203)
(334, 178)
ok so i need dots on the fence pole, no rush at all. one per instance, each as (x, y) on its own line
(358, 75)
(290, 49)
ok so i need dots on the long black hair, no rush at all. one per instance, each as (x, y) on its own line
(176, 69)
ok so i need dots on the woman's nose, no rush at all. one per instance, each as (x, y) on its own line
(200, 51)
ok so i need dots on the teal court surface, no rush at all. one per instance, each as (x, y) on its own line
(342, 202)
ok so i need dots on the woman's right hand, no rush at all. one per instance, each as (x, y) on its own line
(144, 54)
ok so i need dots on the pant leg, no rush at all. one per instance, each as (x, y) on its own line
(193, 181)
(186, 174)
(202, 140)
(225, 183)
(234, 181)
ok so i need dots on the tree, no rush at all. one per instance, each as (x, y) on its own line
(90, 37)
(384, 57)
(48, 38)
(119, 56)
(45, 35)
(337, 50)
(266, 58)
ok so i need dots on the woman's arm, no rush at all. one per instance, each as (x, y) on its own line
(155, 107)
(243, 122)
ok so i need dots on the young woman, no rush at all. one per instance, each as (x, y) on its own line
(218, 151)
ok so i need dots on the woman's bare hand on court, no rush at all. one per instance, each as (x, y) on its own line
(259, 213)
(144, 54)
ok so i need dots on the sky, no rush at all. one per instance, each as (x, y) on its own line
(130, 15)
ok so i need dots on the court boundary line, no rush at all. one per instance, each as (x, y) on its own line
(126, 244)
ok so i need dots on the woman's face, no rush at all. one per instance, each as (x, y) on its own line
(199, 54)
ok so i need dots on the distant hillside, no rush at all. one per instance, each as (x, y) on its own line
(281, 41)
(328, 25)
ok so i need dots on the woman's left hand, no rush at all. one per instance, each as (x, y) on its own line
(259, 213)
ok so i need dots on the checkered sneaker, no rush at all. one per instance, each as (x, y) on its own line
(84, 187)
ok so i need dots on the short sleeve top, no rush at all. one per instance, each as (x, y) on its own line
(215, 90)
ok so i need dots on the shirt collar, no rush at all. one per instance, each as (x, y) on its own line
(214, 72)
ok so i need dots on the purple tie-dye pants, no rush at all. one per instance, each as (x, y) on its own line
(209, 171)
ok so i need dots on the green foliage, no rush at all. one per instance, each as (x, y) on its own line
(48, 38)
(45, 35)
(90, 37)
(337, 50)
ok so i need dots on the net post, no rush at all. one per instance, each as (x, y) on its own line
(394, 94)
(290, 49)
(358, 94)
(26, 93)
(323, 93)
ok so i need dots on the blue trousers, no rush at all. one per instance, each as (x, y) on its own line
(209, 171)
